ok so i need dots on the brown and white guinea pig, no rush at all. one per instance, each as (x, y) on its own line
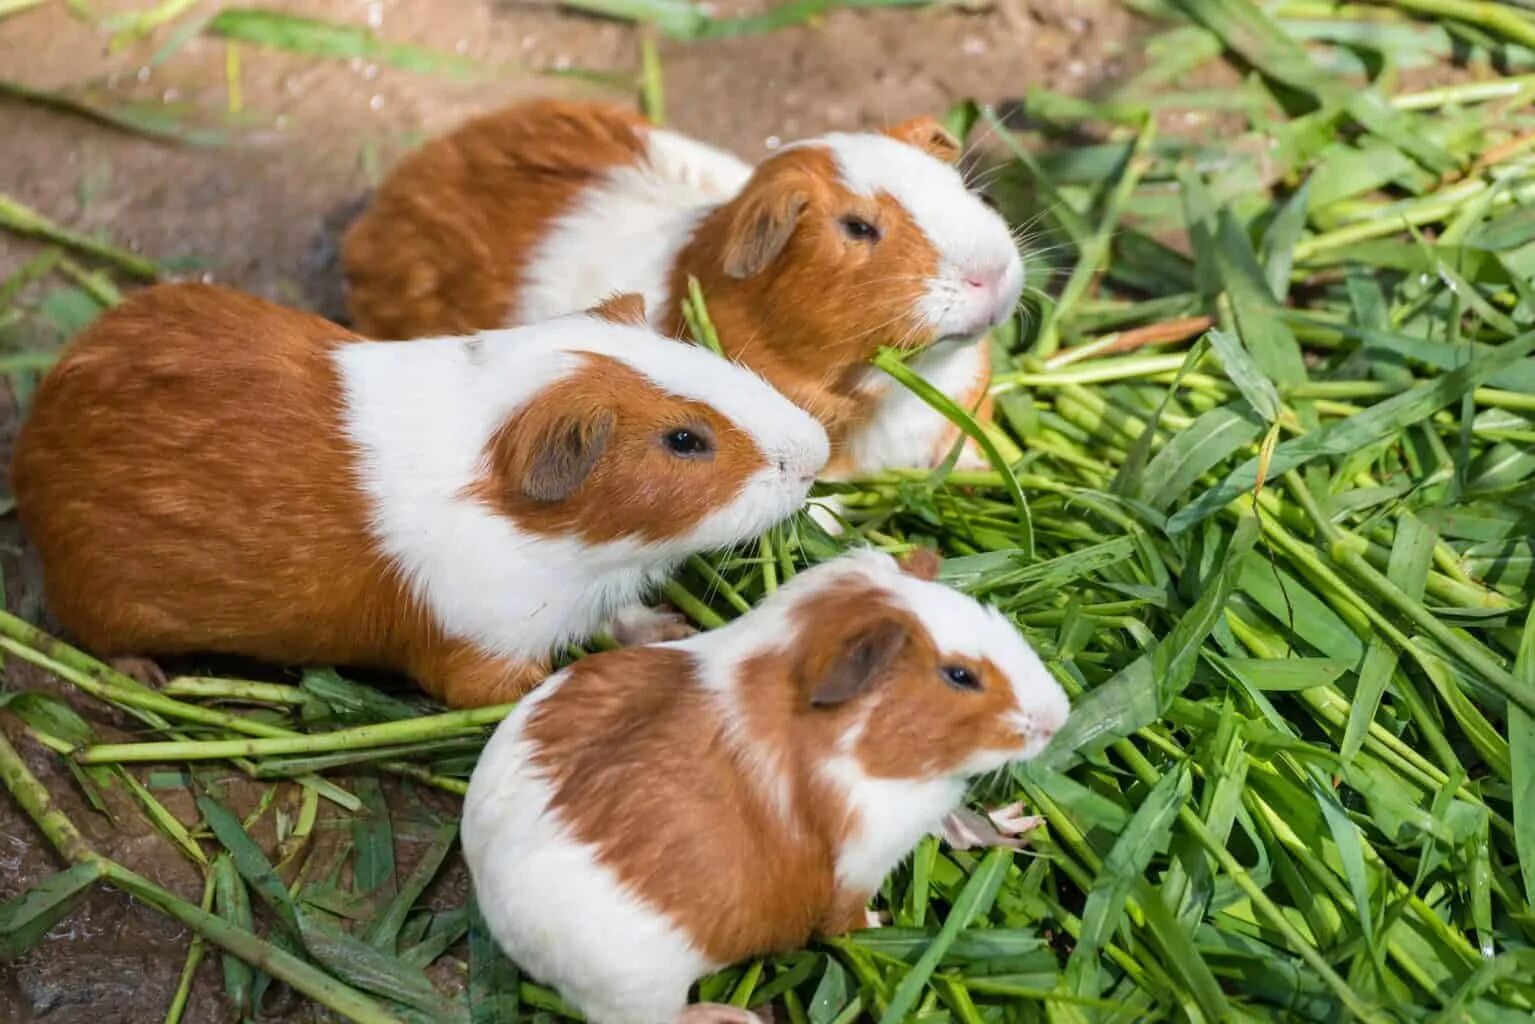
(655, 813)
(207, 471)
(810, 262)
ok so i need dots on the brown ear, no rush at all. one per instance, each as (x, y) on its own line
(860, 664)
(765, 216)
(625, 308)
(554, 459)
(927, 135)
(923, 563)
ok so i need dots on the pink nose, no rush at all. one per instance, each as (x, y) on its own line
(982, 281)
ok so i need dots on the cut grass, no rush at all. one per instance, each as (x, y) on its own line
(1262, 501)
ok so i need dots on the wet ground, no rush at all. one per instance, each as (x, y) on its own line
(261, 214)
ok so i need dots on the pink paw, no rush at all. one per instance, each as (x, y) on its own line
(1008, 826)
(717, 1013)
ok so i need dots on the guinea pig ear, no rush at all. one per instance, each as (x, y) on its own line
(625, 308)
(562, 453)
(927, 135)
(764, 219)
(923, 563)
(860, 664)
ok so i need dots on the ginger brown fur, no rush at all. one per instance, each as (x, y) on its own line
(443, 245)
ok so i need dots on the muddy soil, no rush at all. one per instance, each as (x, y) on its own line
(261, 214)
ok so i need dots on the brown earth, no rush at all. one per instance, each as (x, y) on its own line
(262, 213)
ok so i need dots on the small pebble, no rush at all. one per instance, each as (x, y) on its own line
(375, 15)
(143, 74)
(376, 103)
(973, 46)
(772, 142)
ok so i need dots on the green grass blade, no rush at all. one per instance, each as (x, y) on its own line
(26, 919)
(494, 981)
(1347, 435)
(974, 901)
(1521, 737)
(318, 38)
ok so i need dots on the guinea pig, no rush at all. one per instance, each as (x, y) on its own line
(655, 813)
(810, 262)
(204, 471)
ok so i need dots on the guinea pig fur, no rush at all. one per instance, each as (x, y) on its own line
(207, 471)
(810, 262)
(655, 813)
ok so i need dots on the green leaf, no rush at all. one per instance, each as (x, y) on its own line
(1148, 832)
(373, 836)
(231, 901)
(974, 901)
(494, 981)
(1521, 739)
(1343, 436)
(26, 919)
(249, 861)
(1255, 387)
(317, 38)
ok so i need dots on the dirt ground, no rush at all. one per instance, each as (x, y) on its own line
(261, 215)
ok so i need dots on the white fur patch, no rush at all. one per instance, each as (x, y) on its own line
(421, 413)
(554, 907)
(904, 430)
(624, 233)
(892, 815)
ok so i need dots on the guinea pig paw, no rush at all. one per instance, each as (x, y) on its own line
(1008, 826)
(875, 918)
(717, 1013)
(637, 625)
(140, 670)
(1012, 821)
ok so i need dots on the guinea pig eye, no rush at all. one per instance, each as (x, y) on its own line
(860, 230)
(686, 442)
(960, 677)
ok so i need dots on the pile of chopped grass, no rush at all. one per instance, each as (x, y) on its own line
(1262, 496)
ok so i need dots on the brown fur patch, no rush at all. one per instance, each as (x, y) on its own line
(923, 563)
(443, 246)
(918, 725)
(628, 308)
(926, 134)
(642, 769)
(630, 485)
(186, 480)
(811, 317)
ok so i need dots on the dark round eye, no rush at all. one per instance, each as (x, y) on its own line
(960, 677)
(860, 230)
(686, 442)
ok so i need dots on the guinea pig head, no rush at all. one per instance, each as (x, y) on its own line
(922, 681)
(642, 440)
(850, 242)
